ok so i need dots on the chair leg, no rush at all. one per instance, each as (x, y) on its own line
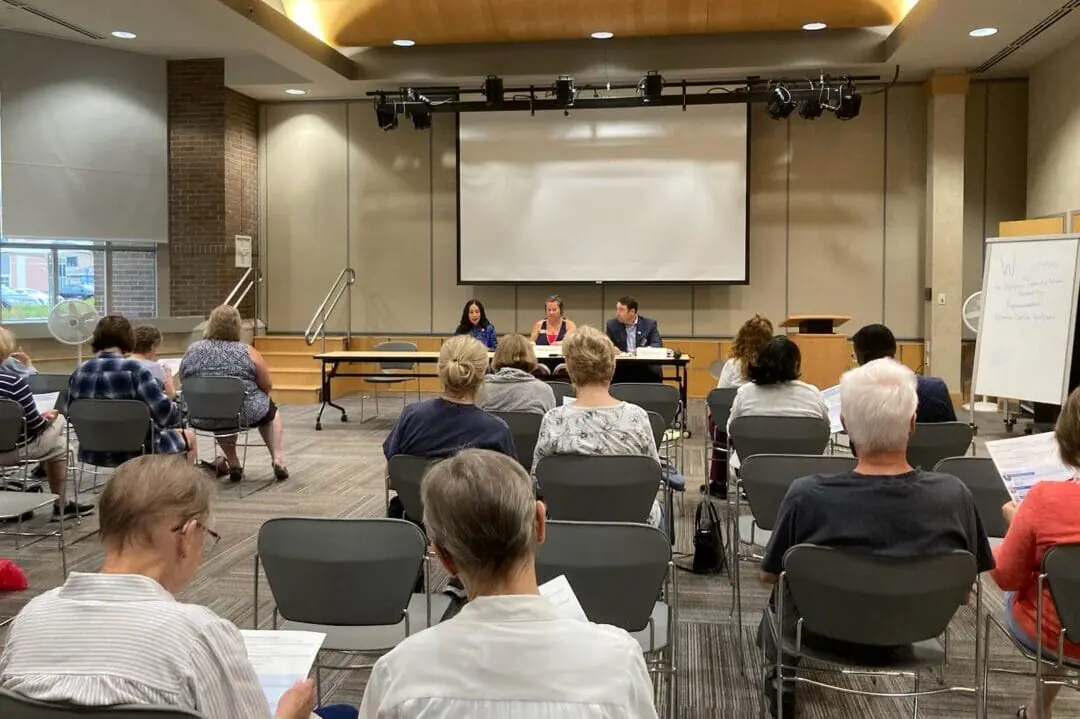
(377, 412)
(318, 684)
(915, 699)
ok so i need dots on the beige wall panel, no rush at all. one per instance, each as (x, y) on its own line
(836, 236)
(976, 229)
(584, 304)
(905, 211)
(306, 210)
(1053, 185)
(669, 305)
(1006, 155)
(389, 225)
(719, 310)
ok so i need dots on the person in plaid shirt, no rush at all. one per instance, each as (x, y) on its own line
(111, 375)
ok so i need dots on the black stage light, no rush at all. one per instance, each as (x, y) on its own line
(385, 113)
(652, 86)
(421, 118)
(493, 89)
(811, 109)
(564, 92)
(850, 103)
(780, 104)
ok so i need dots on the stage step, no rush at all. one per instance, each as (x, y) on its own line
(291, 394)
(295, 343)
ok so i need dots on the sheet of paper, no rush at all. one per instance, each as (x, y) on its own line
(171, 363)
(562, 597)
(46, 401)
(1025, 461)
(832, 402)
(281, 658)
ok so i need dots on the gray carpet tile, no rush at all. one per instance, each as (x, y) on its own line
(339, 472)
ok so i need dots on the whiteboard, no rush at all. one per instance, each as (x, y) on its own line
(1025, 341)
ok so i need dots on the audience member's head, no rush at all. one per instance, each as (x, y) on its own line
(754, 334)
(590, 357)
(874, 342)
(113, 332)
(626, 309)
(482, 515)
(877, 406)
(224, 324)
(777, 362)
(155, 519)
(553, 308)
(1067, 430)
(463, 363)
(147, 340)
(514, 351)
(7, 343)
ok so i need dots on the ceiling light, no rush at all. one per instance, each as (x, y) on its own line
(385, 113)
(983, 32)
(814, 26)
(564, 92)
(123, 34)
(651, 86)
(850, 103)
(493, 89)
(603, 35)
(295, 91)
(780, 104)
(404, 43)
(421, 118)
(810, 109)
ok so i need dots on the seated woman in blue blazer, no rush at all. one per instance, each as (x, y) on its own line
(474, 322)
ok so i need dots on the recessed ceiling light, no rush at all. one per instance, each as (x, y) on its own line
(123, 34)
(603, 35)
(404, 43)
(295, 91)
(812, 26)
(983, 32)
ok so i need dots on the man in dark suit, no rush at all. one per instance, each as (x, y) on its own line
(628, 331)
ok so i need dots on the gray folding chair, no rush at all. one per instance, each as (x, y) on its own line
(44, 383)
(1061, 573)
(932, 443)
(598, 488)
(121, 427)
(525, 427)
(876, 601)
(659, 427)
(404, 474)
(351, 579)
(393, 373)
(12, 427)
(982, 478)
(19, 707)
(718, 402)
(617, 572)
(663, 399)
(562, 390)
(716, 367)
(214, 408)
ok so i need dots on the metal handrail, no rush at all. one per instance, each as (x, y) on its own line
(317, 327)
(247, 281)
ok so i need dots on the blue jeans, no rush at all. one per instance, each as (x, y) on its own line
(1022, 637)
(338, 711)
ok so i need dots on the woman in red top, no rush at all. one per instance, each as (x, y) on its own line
(1049, 515)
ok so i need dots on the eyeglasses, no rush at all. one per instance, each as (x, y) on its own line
(214, 536)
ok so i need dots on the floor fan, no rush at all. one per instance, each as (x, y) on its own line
(970, 312)
(72, 322)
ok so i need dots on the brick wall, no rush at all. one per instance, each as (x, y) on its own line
(134, 284)
(213, 184)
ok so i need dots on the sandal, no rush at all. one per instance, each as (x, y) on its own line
(236, 474)
(219, 467)
(280, 472)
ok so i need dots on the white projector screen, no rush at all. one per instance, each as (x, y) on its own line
(621, 195)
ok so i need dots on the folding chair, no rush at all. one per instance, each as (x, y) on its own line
(932, 443)
(718, 402)
(19, 707)
(982, 478)
(875, 601)
(45, 383)
(525, 427)
(13, 426)
(617, 572)
(598, 488)
(393, 373)
(404, 474)
(658, 426)
(115, 426)
(660, 398)
(562, 390)
(214, 408)
(1061, 573)
(349, 578)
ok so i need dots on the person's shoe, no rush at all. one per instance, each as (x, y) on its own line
(26, 517)
(236, 474)
(280, 472)
(455, 588)
(218, 468)
(769, 689)
(39, 472)
(72, 511)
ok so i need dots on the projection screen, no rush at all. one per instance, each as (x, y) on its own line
(628, 195)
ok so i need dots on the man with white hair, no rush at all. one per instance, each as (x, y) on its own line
(883, 507)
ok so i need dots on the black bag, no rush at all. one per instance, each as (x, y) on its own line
(710, 556)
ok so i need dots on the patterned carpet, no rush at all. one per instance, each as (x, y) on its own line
(338, 472)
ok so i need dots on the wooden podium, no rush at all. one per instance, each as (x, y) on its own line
(825, 354)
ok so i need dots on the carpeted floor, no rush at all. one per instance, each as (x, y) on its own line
(339, 471)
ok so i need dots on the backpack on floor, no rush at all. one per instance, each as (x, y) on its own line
(710, 555)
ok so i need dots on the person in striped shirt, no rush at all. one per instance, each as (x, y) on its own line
(43, 436)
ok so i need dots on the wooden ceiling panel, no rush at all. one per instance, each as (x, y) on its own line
(774, 15)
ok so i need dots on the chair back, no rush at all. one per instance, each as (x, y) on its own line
(562, 390)
(12, 424)
(525, 428)
(658, 426)
(390, 347)
(880, 601)
(598, 488)
(716, 367)
(719, 401)
(616, 570)
(778, 435)
(365, 569)
(766, 479)
(1062, 567)
(983, 480)
(19, 707)
(406, 473)
(120, 426)
(933, 442)
(216, 399)
(650, 396)
(45, 383)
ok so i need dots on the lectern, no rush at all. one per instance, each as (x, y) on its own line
(825, 354)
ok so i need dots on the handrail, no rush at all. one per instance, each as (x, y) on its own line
(254, 280)
(317, 326)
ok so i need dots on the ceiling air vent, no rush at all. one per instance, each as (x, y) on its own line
(1038, 29)
(49, 17)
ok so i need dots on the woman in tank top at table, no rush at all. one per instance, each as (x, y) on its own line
(552, 330)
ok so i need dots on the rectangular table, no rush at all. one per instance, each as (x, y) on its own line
(332, 362)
